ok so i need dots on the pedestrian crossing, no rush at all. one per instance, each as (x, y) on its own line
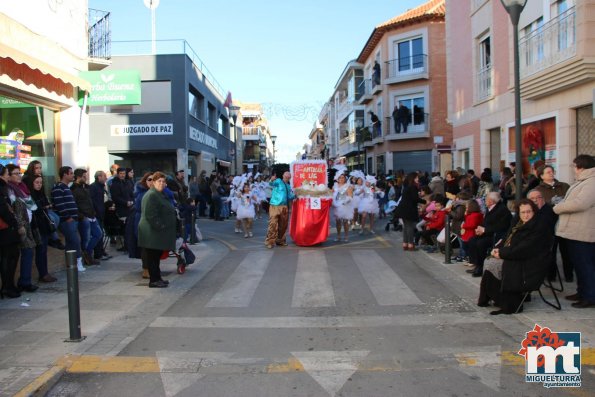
(312, 280)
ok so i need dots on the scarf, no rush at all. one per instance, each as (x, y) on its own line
(512, 232)
(21, 192)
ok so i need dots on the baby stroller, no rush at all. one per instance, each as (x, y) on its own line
(185, 256)
(113, 227)
(390, 209)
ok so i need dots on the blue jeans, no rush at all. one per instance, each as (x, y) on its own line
(72, 239)
(41, 256)
(582, 256)
(90, 234)
(463, 248)
(26, 267)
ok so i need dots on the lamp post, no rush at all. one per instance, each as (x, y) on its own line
(273, 140)
(233, 112)
(514, 9)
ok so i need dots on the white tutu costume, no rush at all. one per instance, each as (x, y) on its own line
(342, 202)
(246, 206)
(358, 191)
(369, 200)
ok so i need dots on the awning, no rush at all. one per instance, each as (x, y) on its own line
(16, 60)
(223, 163)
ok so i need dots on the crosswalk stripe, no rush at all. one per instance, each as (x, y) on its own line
(240, 287)
(312, 286)
(388, 288)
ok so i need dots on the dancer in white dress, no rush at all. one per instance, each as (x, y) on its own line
(358, 190)
(234, 200)
(342, 204)
(246, 209)
(368, 205)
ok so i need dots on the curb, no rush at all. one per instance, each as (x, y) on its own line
(40, 386)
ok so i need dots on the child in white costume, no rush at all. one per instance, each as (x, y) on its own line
(358, 190)
(368, 205)
(246, 209)
(342, 204)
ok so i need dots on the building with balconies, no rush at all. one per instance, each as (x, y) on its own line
(43, 48)
(557, 76)
(256, 137)
(318, 149)
(404, 63)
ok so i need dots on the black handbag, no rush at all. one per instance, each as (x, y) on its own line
(52, 227)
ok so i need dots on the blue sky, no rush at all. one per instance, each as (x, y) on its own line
(286, 55)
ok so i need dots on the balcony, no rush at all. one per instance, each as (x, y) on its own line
(345, 108)
(553, 43)
(483, 89)
(251, 133)
(365, 87)
(418, 127)
(100, 39)
(406, 69)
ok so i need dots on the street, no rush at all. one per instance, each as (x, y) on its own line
(361, 318)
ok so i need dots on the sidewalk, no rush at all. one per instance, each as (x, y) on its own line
(535, 312)
(116, 305)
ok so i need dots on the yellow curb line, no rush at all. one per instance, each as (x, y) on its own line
(42, 384)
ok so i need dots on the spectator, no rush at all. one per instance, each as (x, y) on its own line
(495, 224)
(576, 225)
(66, 208)
(465, 185)
(193, 190)
(435, 224)
(99, 197)
(376, 125)
(437, 184)
(216, 191)
(505, 176)
(552, 190)
(89, 229)
(23, 205)
(451, 186)
(533, 179)
(141, 188)
(524, 251)
(9, 240)
(156, 229)
(473, 219)
(210, 181)
(186, 211)
(205, 192)
(486, 185)
(474, 182)
(408, 210)
(42, 220)
(113, 174)
(122, 194)
(376, 74)
(456, 212)
(403, 118)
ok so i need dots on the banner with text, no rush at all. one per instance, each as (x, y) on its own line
(142, 129)
(113, 87)
(308, 171)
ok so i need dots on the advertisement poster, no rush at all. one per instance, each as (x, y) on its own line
(312, 172)
(12, 151)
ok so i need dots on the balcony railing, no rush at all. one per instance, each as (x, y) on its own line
(365, 89)
(484, 83)
(100, 34)
(418, 127)
(251, 133)
(168, 47)
(404, 68)
(552, 43)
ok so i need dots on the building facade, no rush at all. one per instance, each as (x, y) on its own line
(403, 93)
(40, 87)
(181, 122)
(257, 139)
(557, 72)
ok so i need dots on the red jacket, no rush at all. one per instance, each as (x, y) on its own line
(436, 221)
(472, 220)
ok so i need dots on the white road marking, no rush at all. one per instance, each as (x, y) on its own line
(312, 286)
(240, 287)
(330, 369)
(388, 288)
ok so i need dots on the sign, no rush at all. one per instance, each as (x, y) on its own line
(438, 139)
(142, 129)
(9, 103)
(113, 87)
(315, 203)
(201, 137)
(552, 358)
(312, 172)
(13, 152)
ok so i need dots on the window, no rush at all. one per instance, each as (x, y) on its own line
(196, 104)
(211, 116)
(155, 98)
(416, 106)
(484, 73)
(485, 60)
(533, 37)
(410, 54)
(563, 36)
(220, 126)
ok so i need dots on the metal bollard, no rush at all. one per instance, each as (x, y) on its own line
(193, 229)
(74, 310)
(447, 247)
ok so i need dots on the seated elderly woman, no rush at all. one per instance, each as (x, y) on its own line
(525, 253)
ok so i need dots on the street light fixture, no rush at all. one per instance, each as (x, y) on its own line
(273, 140)
(514, 9)
(233, 112)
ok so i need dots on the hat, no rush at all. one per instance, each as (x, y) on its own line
(371, 179)
(357, 174)
(341, 170)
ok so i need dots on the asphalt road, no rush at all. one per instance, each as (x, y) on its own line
(361, 318)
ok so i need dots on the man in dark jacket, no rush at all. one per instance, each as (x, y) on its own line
(122, 194)
(205, 193)
(89, 228)
(495, 224)
(99, 196)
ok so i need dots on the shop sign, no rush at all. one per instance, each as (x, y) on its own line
(113, 87)
(142, 129)
(201, 137)
(312, 172)
(9, 103)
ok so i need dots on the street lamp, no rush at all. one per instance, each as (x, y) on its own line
(514, 9)
(273, 139)
(233, 112)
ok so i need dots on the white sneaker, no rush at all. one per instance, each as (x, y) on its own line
(250, 234)
(81, 268)
(237, 230)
